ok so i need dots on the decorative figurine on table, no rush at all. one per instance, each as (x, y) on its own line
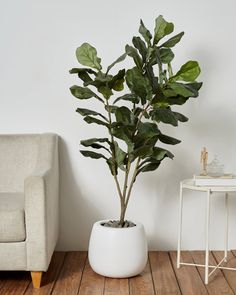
(204, 159)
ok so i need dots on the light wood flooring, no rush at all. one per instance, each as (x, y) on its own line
(70, 274)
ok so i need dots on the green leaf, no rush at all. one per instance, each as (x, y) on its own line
(120, 156)
(119, 59)
(166, 55)
(159, 154)
(175, 89)
(92, 155)
(112, 165)
(149, 167)
(173, 40)
(130, 97)
(111, 109)
(194, 87)
(81, 70)
(145, 33)
(82, 92)
(123, 115)
(117, 82)
(124, 133)
(142, 152)
(87, 112)
(132, 52)
(105, 91)
(168, 139)
(93, 142)
(188, 72)
(148, 129)
(87, 56)
(140, 45)
(177, 100)
(180, 117)
(90, 141)
(91, 120)
(139, 84)
(164, 115)
(162, 29)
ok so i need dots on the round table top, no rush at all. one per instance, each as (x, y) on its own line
(190, 184)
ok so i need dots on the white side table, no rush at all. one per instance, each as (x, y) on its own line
(189, 184)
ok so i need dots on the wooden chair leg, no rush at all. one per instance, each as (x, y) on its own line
(36, 278)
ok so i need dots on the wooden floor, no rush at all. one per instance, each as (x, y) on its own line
(70, 274)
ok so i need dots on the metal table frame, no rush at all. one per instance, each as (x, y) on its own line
(189, 184)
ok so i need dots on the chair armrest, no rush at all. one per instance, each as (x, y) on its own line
(41, 212)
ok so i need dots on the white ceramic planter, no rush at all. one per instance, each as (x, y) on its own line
(117, 252)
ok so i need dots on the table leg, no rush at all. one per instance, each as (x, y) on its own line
(207, 236)
(226, 225)
(180, 225)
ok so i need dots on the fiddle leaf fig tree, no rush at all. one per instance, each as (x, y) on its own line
(132, 119)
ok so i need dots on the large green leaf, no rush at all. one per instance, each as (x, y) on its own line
(81, 70)
(117, 82)
(87, 56)
(194, 87)
(166, 55)
(177, 100)
(141, 46)
(162, 29)
(125, 133)
(120, 156)
(168, 139)
(130, 97)
(105, 91)
(119, 59)
(82, 92)
(87, 112)
(139, 84)
(93, 142)
(188, 72)
(132, 52)
(92, 155)
(91, 120)
(148, 129)
(123, 115)
(173, 40)
(180, 117)
(149, 167)
(142, 152)
(174, 89)
(159, 154)
(112, 165)
(90, 141)
(145, 33)
(164, 115)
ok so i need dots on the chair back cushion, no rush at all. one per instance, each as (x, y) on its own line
(18, 156)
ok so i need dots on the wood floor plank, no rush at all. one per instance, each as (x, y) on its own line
(70, 276)
(163, 274)
(188, 277)
(230, 276)
(14, 282)
(91, 283)
(116, 286)
(217, 282)
(142, 284)
(49, 278)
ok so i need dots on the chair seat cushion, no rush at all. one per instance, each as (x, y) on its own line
(12, 217)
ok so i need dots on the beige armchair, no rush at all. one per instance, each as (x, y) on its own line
(28, 202)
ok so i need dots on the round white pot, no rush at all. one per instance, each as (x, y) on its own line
(117, 252)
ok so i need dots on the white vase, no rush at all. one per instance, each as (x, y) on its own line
(117, 252)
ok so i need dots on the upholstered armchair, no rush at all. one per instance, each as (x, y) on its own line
(28, 202)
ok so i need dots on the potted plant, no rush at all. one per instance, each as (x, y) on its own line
(131, 123)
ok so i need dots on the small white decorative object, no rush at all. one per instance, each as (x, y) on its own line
(117, 252)
(215, 168)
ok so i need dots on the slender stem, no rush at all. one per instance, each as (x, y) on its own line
(126, 179)
(132, 182)
(113, 156)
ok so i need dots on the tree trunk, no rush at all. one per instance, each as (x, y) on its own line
(122, 214)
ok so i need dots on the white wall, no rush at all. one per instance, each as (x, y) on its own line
(38, 42)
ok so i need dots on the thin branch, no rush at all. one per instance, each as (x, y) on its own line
(132, 182)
